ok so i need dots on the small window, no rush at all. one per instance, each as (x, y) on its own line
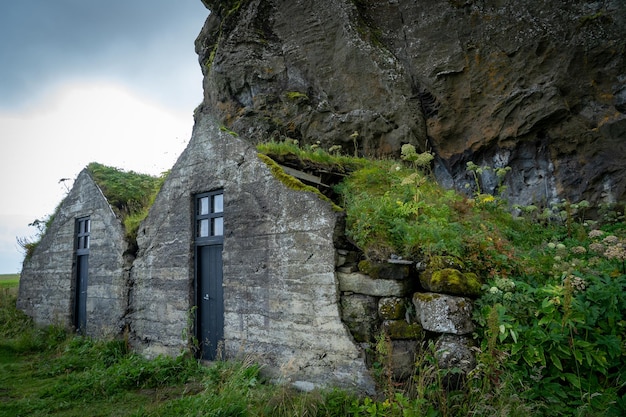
(83, 234)
(218, 226)
(209, 222)
(203, 206)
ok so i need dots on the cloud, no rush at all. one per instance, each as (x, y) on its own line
(75, 125)
(147, 44)
(112, 81)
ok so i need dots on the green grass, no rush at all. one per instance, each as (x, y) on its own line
(9, 280)
(550, 336)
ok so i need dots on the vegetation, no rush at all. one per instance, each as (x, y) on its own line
(47, 372)
(129, 193)
(550, 338)
(9, 280)
(551, 334)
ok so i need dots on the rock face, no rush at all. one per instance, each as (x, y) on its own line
(532, 85)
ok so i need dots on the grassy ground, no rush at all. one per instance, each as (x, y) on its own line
(9, 280)
(46, 372)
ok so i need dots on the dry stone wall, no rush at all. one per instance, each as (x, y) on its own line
(390, 300)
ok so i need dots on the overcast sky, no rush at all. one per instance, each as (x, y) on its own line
(111, 81)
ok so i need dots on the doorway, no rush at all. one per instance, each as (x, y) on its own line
(83, 234)
(209, 243)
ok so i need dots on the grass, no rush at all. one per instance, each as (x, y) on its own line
(9, 280)
(48, 372)
(550, 337)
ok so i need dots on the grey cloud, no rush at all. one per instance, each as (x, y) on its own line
(146, 44)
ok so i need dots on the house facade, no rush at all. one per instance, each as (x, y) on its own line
(77, 275)
(234, 263)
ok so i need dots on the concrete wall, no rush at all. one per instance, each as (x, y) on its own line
(280, 288)
(48, 279)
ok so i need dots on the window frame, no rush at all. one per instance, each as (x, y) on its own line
(211, 218)
(83, 235)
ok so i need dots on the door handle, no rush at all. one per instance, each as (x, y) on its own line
(206, 297)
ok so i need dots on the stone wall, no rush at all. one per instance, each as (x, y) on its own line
(48, 279)
(402, 302)
(280, 290)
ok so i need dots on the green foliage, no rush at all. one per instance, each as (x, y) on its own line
(293, 182)
(551, 331)
(392, 209)
(129, 193)
(313, 154)
(561, 329)
(230, 132)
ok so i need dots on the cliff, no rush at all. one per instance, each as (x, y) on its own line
(537, 86)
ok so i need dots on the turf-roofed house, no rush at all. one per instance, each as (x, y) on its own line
(77, 274)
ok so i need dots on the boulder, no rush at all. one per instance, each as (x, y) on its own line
(444, 313)
(451, 281)
(527, 84)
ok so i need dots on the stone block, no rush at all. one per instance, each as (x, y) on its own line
(444, 313)
(401, 330)
(392, 308)
(363, 284)
(451, 281)
(403, 353)
(393, 269)
(359, 313)
(455, 353)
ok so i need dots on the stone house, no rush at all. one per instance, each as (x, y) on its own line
(236, 263)
(236, 259)
(77, 275)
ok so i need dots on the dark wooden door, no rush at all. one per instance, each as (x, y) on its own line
(209, 225)
(83, 236)
(211, 299)
(80, 313)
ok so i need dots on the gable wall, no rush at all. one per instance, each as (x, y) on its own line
(280, 289)
(47, 281)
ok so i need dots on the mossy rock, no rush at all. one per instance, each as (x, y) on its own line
(401, 330)
(441, 262)
(451, 281)
(385, 270)
(392, 308)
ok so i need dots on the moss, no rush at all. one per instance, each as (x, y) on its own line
(230, 132)
(384, 270)
(453, 281)
(425, 296)
(392, 308)
(439, 262)
(129, 193)
(401, 330)
(296, 96)
(292, 182)
(365, 266)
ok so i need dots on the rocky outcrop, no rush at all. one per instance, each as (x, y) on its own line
(532, 85)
